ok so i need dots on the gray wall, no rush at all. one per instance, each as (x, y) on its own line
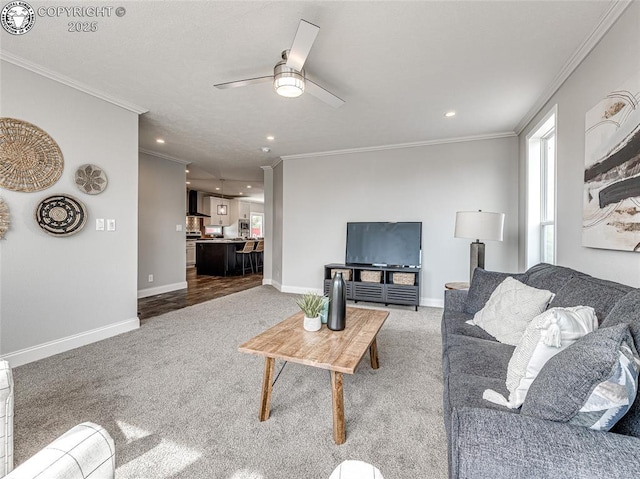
(427, 184)
(59, 293)
(612, 62)
(277, 250)
(161, 206)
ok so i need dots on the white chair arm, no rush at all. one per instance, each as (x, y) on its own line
(85, 451)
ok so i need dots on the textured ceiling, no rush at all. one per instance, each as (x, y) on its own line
(398, 65)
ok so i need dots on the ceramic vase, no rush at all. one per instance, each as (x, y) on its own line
(312, 324)
(337, 303)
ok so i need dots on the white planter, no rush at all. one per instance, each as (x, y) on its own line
(312, 324)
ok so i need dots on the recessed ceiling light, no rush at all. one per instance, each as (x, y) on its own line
(265, 149)
(449, 114)
(186, 171)
(271, 138)
(188, 182)
(217, 188)
(241, 192)
(248, 186)
(159, 140)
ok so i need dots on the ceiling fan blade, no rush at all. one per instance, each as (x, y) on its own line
(239, 83)
(322, 94)
(302, 43)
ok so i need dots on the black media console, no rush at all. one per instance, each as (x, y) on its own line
(378, 284)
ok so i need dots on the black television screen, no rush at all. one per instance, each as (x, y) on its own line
(384, 244)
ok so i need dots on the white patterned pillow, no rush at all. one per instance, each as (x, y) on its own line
(509, 310)
(546, 335)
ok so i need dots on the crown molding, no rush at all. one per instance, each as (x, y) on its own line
(45, 72)
(163, 156)
(416, 144)
(615, 10)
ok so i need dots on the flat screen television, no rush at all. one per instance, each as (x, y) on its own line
(384, 244)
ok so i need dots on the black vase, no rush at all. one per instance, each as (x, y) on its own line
(337, 303)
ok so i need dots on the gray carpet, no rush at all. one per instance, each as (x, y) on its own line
(181, 402)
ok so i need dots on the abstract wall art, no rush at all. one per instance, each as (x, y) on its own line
(611, 212)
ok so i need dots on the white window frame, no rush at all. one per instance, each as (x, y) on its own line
(251, 221)
(536, 192)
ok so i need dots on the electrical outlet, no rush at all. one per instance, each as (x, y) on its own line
(150, 278)
(99, 224)
(111, 225)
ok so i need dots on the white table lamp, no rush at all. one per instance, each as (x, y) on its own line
(479, 225)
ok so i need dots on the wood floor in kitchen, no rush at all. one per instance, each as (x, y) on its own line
(201, 288)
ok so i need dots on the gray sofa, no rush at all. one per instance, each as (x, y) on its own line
(492, 441)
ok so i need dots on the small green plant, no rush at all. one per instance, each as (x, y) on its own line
(311, 304)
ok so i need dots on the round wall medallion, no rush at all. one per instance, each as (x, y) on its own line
(30, 160)
(61, 215)
(91, 179)
(4, 218)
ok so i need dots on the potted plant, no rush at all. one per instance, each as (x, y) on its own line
(312, 305)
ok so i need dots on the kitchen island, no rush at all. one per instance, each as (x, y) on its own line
(217, 257)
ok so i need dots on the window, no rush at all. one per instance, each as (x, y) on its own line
(257, 225)
(541, 192)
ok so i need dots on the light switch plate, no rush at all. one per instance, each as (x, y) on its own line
(178, 227)
(99, 224)
(111, 225)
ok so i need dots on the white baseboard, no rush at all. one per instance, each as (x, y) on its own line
(273, 283)
(299, 290)
(429, 302)
(167, 288)
(41, 351)
(432, 302)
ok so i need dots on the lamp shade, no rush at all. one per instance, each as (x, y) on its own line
(480, 225)
(288, 82)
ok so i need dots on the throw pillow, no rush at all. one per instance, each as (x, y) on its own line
(593, 383)
(546, 335)
(510, 309)
(482, 285)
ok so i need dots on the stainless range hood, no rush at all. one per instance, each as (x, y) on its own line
(193, 205)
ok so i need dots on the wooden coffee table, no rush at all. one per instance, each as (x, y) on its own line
(338, 351)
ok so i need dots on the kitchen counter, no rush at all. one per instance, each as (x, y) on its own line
(217, 257)
(221, 240)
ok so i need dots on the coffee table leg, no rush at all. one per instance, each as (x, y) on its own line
(373, 353)
(267, 379)
(339, 435)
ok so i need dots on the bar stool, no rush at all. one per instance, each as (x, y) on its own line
(258, 253)
(246, 251)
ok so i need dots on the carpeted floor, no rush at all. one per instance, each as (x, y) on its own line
(181, 402)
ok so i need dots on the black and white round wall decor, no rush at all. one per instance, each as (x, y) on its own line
(61, 215)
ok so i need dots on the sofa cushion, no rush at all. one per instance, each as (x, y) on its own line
(479, 357)
(593, 383)
(482, 285)
(600, 294)
(456, 323)
(626, 310)
(510, 308)
(548, 276)
(465, 390)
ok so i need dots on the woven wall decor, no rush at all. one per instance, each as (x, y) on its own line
(4, 218)
(30, 160)
(91, 179)
(61, 215)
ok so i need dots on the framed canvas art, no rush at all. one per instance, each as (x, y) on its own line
(611, 212)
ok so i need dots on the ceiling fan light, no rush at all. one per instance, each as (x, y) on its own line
(288, 82)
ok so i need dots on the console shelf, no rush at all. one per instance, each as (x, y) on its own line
(361, 284)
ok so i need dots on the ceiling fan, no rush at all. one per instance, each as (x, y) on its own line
(289, 78)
